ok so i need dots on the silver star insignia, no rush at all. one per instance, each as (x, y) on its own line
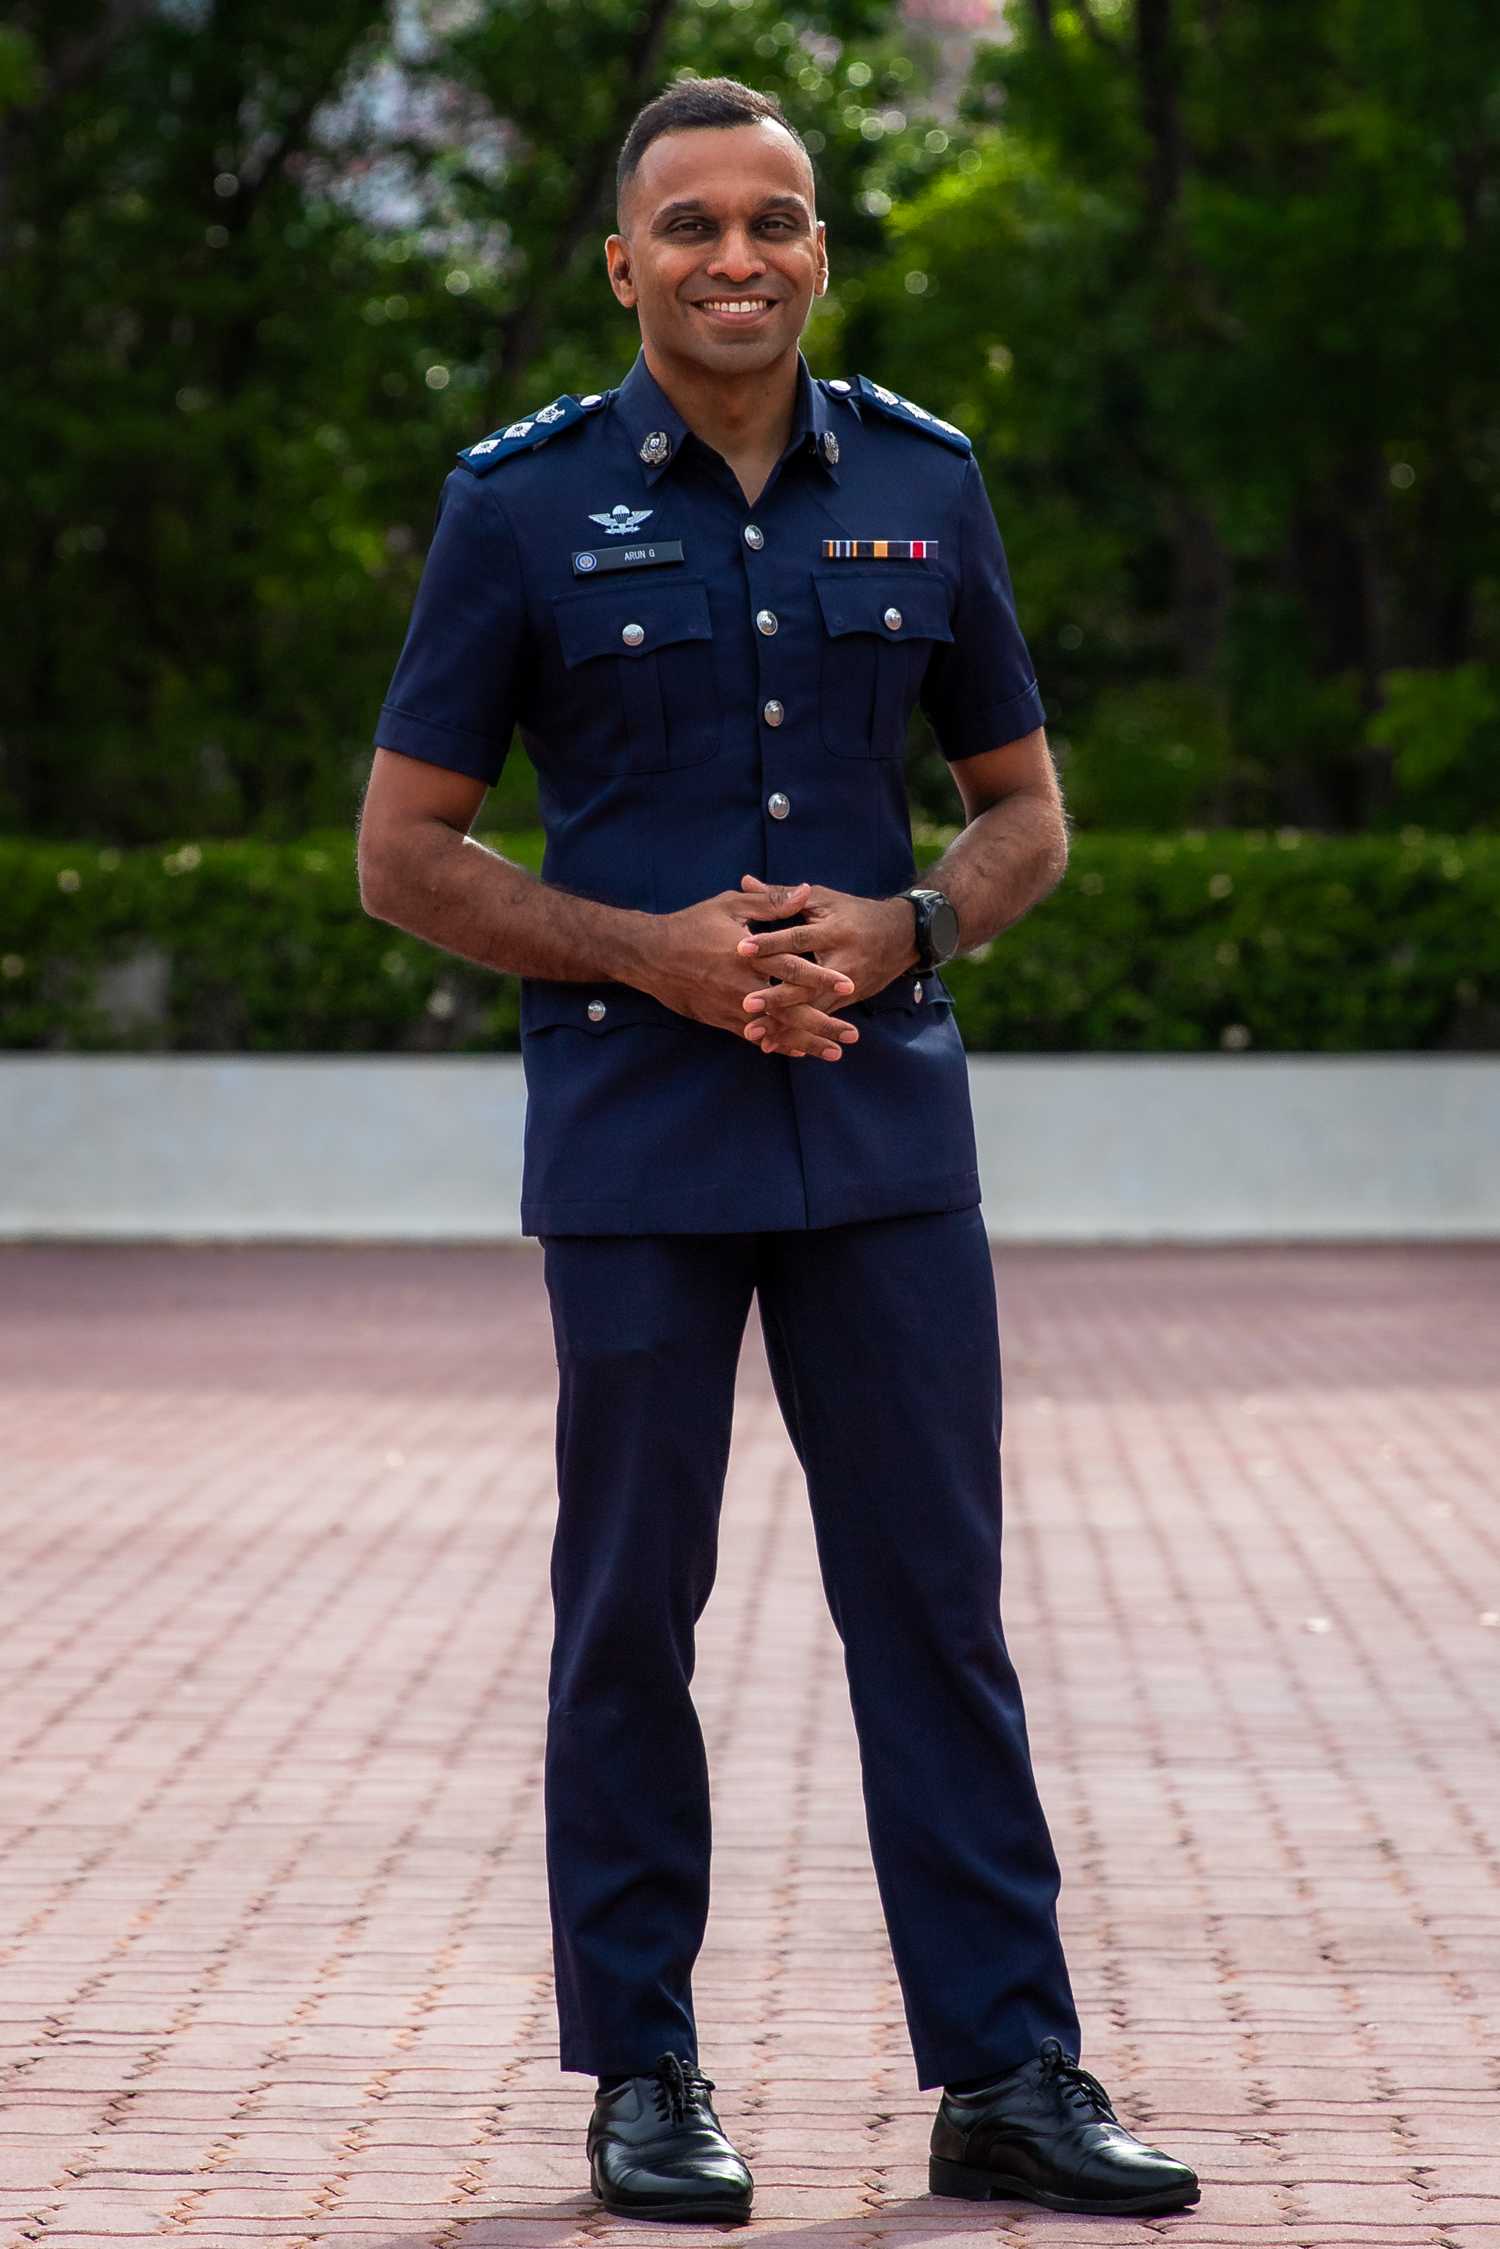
(622, 519)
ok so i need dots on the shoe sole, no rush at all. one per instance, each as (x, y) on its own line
(725, 2214)
(972, 2185)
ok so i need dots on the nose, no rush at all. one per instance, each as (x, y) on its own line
(737, 258)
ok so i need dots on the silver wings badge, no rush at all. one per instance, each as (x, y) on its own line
(622, 519)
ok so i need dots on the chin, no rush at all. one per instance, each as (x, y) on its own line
(740, 354)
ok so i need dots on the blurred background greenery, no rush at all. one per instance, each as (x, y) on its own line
(1215, 289)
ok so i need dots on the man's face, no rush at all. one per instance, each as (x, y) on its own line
(720, 251)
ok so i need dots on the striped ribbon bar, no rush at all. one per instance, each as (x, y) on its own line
(880, 550)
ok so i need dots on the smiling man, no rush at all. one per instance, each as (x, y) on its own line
(710, 599)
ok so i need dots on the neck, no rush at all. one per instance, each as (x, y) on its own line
(741, 416)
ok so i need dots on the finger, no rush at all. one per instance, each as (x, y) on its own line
(774, 897)
(806, 977)
(762, 941)
(807, 1026)
(783, 1000)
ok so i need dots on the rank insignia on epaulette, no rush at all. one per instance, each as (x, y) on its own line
(530, 431)
(880, 550)
(916, 417)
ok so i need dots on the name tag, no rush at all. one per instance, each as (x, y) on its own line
(880, 550)
(644, 556)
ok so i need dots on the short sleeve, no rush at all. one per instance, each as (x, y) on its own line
(452, 695)
(980, 690)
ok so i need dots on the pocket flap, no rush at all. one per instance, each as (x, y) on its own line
(901, 992)
(856, 601)
(546, 1005)
(596, 623)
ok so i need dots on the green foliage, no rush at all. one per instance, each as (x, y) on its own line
(1443, 732)
(266, 269)
(1216, 290)
(1206, 942)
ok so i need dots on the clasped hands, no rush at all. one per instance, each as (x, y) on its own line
(709, 962)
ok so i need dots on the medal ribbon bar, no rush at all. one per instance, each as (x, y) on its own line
(880, 550)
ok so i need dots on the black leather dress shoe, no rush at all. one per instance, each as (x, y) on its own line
(657, 2150)
(1047, 2132)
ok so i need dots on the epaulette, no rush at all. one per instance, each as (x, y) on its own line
(530, 431)
(906, 410)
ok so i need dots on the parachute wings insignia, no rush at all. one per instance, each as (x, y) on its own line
(907, 410)
(531, 430)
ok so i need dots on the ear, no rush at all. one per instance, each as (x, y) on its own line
(821, 283)
(621, 277)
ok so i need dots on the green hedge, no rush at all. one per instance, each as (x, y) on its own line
(1197, 942)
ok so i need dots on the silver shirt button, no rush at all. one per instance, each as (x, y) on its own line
(754, 536)
(773, 714)
(633, 635)
(778, 805)
(893, 619)
(837, 384)
(916, 992)
(596, 1011)
(765, 621)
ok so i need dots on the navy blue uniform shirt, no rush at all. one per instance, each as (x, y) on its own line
(709, 688)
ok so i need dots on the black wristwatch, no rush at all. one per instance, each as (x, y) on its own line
(937, 927)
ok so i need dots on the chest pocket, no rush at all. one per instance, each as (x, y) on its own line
(640, 664)
(879, 630)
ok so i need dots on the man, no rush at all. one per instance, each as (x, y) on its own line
(709, 599)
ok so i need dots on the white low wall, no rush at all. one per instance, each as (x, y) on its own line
(1072, 1148)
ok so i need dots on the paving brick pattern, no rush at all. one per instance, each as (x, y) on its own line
(274, 1960)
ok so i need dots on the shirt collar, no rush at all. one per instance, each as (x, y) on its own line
(654, 425)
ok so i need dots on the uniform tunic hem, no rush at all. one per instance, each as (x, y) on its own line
(843, 1204)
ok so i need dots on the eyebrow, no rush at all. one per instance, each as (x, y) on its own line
(692, 206)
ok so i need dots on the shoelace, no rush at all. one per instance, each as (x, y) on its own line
(1061, 2067)
(679, 2086)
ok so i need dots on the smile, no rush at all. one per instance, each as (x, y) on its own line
(736, 308)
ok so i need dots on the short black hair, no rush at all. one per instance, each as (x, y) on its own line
(695, 102)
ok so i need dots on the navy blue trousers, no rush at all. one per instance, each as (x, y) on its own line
(883, 1345)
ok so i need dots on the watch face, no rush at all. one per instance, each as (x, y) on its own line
(942, 930)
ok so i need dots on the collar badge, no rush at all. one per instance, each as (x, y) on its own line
(656, 448)
(830, 448)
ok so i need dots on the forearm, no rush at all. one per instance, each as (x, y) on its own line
(458, 894)
(1003, 863)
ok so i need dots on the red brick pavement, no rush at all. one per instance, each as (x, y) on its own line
(273, 1935)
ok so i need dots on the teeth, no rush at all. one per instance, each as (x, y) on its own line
(736, 304)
